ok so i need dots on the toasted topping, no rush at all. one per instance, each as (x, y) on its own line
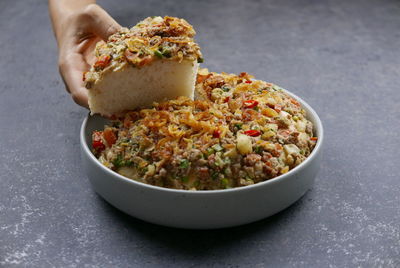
(211, 143)
(154, 38)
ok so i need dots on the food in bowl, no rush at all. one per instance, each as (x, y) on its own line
(155, 60)
(239, 131)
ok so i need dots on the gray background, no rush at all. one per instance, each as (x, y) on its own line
(342, 57)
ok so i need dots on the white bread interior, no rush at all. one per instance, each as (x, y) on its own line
(130, 88)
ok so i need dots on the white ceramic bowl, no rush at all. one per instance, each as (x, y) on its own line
(200, 209)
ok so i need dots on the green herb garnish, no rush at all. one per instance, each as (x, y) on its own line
(119, 161)
(215, 175)
(129, 163)
(210, 151)
(158, 53)
(184, 163)
(224, 182)
(227, 160)
(225, 88)
(166, 52)
(238, 125)
(217, 147)
(258, 150)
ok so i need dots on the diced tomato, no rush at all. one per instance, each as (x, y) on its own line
(203, 171)
(202, 78)
(278, 147)
(103, 62)
(295, 102)
(248, 81)
(145, 60)
(278, 107)
(250, 103)
(130, 56)
(276, 153)
(97, 142)
(109, 136)
(227, 99)
(217, 133)
(252, 133)
(127, 121)
(250, 114)
(285, 133)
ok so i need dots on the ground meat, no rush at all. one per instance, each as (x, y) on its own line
(258, 134)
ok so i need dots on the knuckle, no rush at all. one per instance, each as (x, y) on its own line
(112, 29)
(86, 14)
(91, 10)
(76, 97)
(74, 17)
(61, 64)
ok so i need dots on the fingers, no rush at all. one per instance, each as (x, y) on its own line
(71, 70)
(82, 30)
(102, 24)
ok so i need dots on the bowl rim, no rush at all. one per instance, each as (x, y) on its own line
(317, 124)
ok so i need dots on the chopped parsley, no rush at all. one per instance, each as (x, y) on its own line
(119, 161)
(258, 150)
(215, 175)
(158, 53)
(238, 126)
(184, 163)
(225, 88)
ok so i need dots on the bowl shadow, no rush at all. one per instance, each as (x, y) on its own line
(190, 243)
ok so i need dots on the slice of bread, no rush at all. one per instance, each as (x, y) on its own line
(153, 61)
(131, 88)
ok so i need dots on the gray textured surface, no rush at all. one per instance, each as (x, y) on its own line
(342, 57)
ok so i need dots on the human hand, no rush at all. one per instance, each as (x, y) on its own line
(77, 37)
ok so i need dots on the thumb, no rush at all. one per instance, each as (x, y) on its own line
(102, 24)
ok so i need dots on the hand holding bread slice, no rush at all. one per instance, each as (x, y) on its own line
(155, 60)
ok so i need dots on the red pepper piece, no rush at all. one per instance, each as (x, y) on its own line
(278, 108)
(248, 81)
(252, 133)
(227, 99)
(295, 102)
(97, 142)
(217, 133)
(109, 136)
(250, 103)
(102, 62)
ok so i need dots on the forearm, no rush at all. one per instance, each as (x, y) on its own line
(61, 9)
